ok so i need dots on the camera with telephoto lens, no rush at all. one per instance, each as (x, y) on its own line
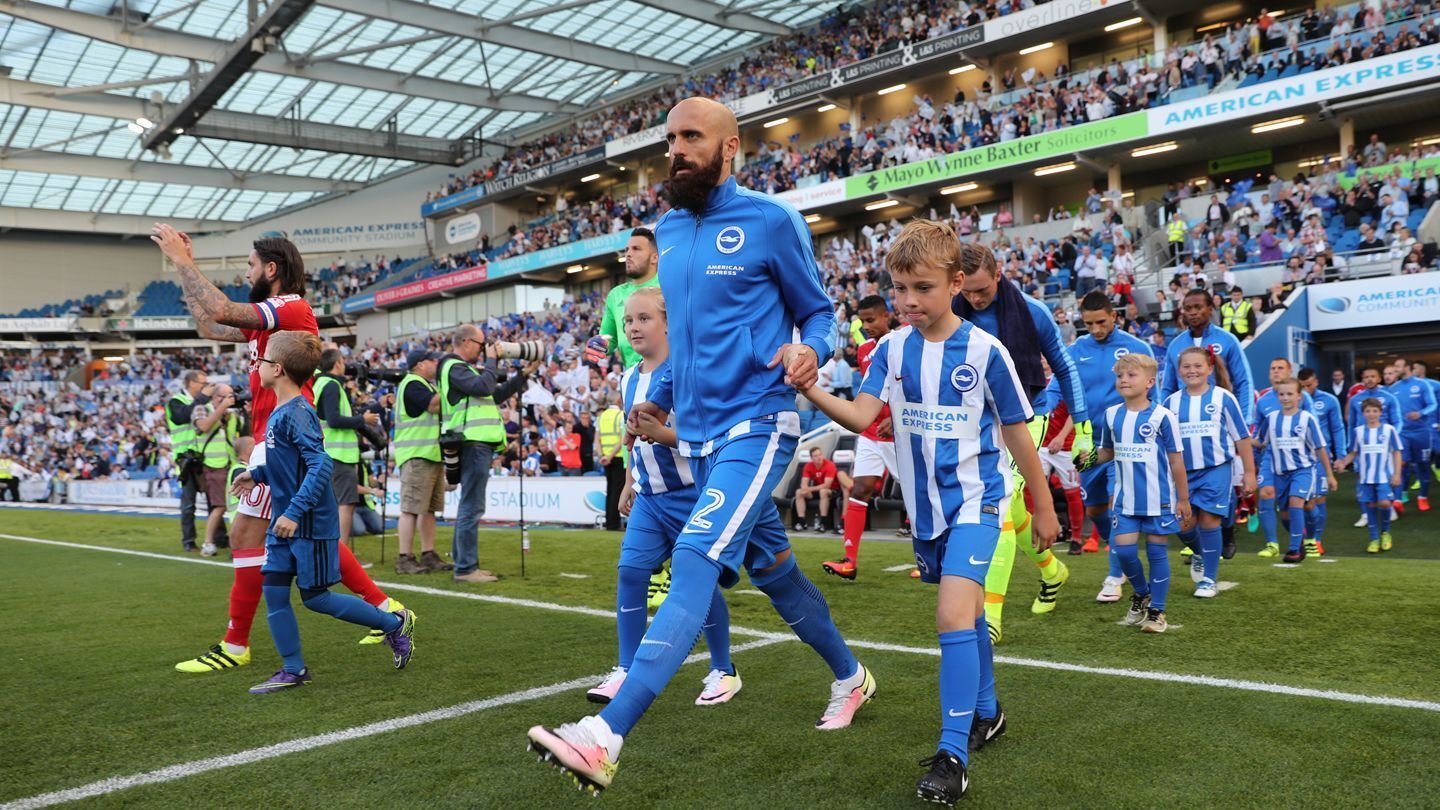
(240, 400)
(526, 350)
(364, 374)
(451, 443)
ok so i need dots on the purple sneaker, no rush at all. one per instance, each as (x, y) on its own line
(400, 640)
(281, 681)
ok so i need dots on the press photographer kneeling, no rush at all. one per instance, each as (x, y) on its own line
(473, 429)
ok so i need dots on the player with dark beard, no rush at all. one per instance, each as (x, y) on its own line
(277, 303)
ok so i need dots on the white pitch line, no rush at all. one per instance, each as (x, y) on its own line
(1176, 677)
(895, 568)
(1139, 674)
(187, 769)
(397, 586)
(574, 576)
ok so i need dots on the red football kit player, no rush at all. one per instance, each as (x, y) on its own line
(874, 449)
(277, 303)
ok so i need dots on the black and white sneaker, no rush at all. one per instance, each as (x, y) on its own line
(946, 781)
(1294, 557)
(985, 729)
(1138, 605)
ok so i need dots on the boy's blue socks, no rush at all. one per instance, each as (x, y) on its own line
(802, 607)
(1268, 520)
(1129, 557)
(1102, 528)
(1384, 517)
(631, 589)
(1297, 527)
(717, 633)
(352, 609)
(284, 628)
(1191, 539)
(1317, 520)
(1211, 541)
(985, 702)
(1372, 514)
(1159, 558)
(959, 686)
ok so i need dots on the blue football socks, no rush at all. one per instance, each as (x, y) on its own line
(1211, 541)
(284, 628)
(1297, 527)
(1159, 558)
(670, 638)
(352, 609)
(802, 606)
(959, 686)
(631, 588)
(1191, 539)
(1268, 520)
(985, 702)
(1102, 527)
(717, 633)
(1129, 557)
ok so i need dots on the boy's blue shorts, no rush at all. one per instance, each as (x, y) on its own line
(1143, 524)
(1098, 483)
(1374, 493)
(654, 523)
(1297, 484)
(962, 551)
(315, 564)
(1211, 489)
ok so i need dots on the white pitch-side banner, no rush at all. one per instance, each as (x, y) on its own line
(814, 196)
(131, 493)
(578, 500)
(1374, 302)
(1361, 78)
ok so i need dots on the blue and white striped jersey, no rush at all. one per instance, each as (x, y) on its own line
(947, 402)
(1269, 402)
(1291, 440)
(1210, 425)
(1142, 442)
(657, 468)
(1374, 462)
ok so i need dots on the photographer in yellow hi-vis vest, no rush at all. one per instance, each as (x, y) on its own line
(215, 433)
(340, 426)
(610, 440)
(470, 417)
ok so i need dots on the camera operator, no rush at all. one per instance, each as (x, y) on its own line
(417, 457)
(341, 430)
(216, 430)
(469, 414)
(189, 467)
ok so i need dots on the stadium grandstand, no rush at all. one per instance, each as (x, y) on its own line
(442, 164)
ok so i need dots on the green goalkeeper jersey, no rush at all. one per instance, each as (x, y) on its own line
(612, 325)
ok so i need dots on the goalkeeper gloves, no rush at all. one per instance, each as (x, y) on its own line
(1082, 450)
(597, 349)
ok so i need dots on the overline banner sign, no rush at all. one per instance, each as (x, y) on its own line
(1059, 143)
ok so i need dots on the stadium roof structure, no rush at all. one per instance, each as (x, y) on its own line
(218, 112)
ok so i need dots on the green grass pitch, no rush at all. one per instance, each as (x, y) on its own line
(91, 638)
